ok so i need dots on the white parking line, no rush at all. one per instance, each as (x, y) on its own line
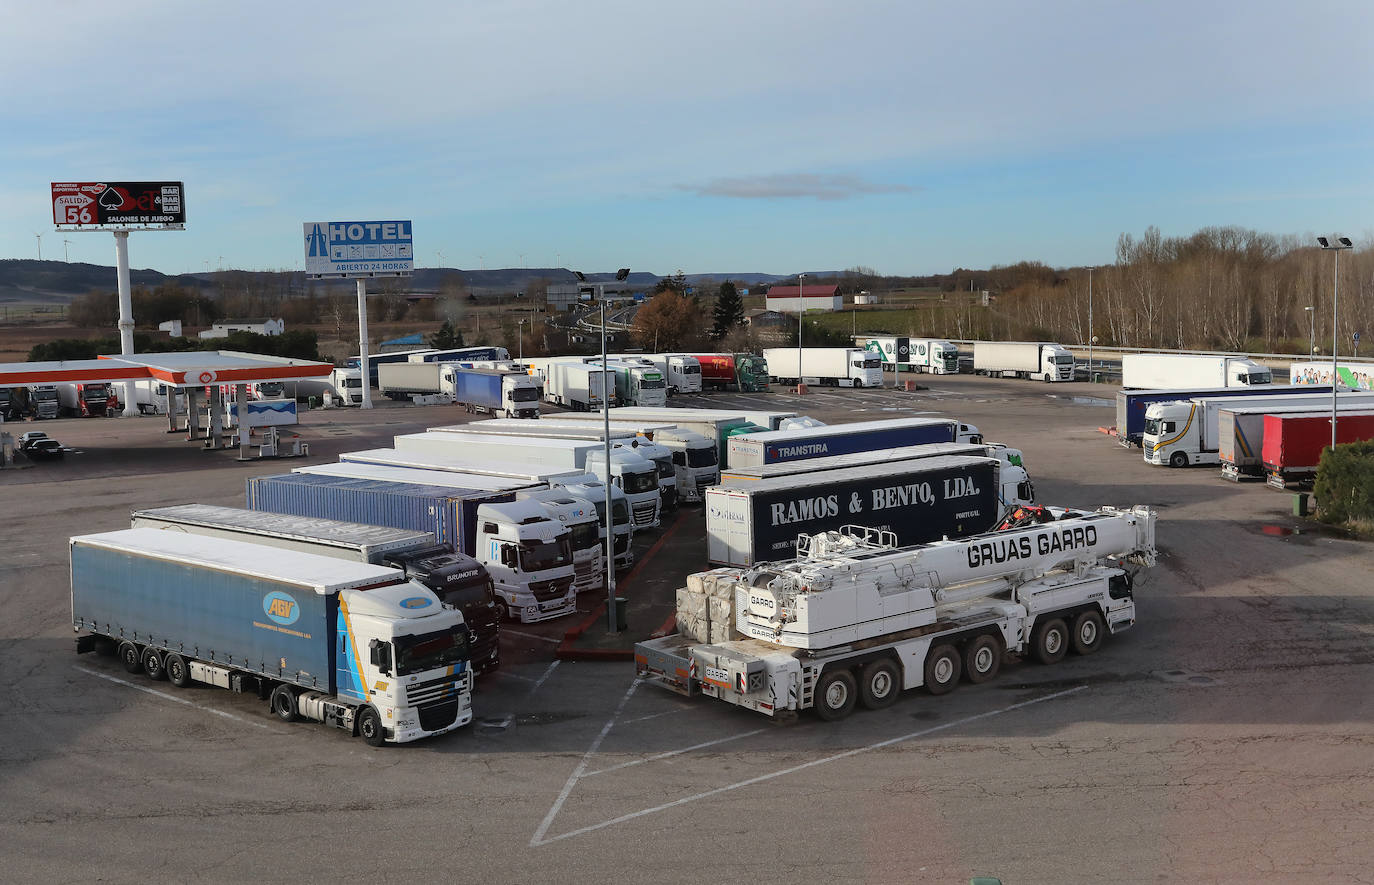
(530, 635)
(677, 752)
(169, 697)
(539, 839)
(547, 674)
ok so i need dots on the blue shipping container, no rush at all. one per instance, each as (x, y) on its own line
(778, 446)
(449, 513)
(1131, 404)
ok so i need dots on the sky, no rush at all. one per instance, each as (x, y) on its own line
(909, 137)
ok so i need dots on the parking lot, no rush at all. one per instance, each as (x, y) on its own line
(1227, 737)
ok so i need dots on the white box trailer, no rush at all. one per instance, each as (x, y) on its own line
(825, 366)
(1183, 370)
(576, 385)
(766, 419)
(1036, 360)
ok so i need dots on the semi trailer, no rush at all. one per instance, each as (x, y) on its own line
(1240, 434)
(825, 366)
(743, 372)
(1036, 360)
(1182, 370)
(753, 449)
(349, 644)
(514, 394)
(1131, 404)
(933, 356)
(1293, 444)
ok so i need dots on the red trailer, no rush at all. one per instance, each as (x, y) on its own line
(744, 372)
(1293, 443)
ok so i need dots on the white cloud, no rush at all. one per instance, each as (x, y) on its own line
(795, 186)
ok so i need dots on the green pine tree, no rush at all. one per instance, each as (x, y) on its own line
(729, 310)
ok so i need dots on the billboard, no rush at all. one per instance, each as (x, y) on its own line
(118, 205)
(358, 249)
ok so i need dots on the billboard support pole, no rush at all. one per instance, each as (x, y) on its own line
(362, 343)
(126, 312)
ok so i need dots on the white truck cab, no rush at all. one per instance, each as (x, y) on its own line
(622, 523)
(696, 464)
(347, 386)
(680, 370)
(529, 556)
(580, 516)
(637, 477)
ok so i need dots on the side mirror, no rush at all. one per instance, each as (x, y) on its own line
(507, 556)
(380, 654)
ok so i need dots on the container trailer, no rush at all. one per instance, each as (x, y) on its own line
(1293, 444)
(349, 644)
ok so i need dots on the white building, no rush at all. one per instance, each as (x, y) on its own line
(258, 326)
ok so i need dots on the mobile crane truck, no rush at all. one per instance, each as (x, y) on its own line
(856, 619)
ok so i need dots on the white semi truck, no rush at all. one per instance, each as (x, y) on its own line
(1036, 360)
(933, 356)
(682, 371)
(1181, 433)
(1184, 371)
(580, 516)
(638, 382)
(573, 384)
(825, 366)
(636, 476)
(856, 620)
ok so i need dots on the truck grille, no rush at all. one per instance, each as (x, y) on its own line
(435, 690)
(440, 715)
(644, 514)
(585, 570)
(548, 591)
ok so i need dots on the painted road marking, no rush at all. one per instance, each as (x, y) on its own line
(169, 697)
(677, 752)
(579, 773)
(541, 679)
(531, 635)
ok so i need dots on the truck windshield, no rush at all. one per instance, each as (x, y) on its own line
(873, 363)
(473, 592)
(95, 391)
(268, 388)
(588, 534)
(701, 457)
(524, 394)
(620, 512)
(665, 467)
(353, 382)
(639, 483)
(430, 651)
(44, 395)
(1257, 378)
(691, 370)
(1063, 359)
(1152, 427)
(535, 556)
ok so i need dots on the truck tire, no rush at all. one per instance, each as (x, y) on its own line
(1089, 628)
(370, 727)
(502, 610)
(836, 694)
(982, 659)
(178, 671)
(152, 663)
(1050, 641)
(284, 705)
(880, 684)
(942, 669)
(130, 657)
(1178, 459)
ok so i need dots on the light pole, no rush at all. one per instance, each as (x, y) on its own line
(520, 332)
(1311, 329)
(801, 311)
(1335, 245)
(1090, 324)
(612, 622)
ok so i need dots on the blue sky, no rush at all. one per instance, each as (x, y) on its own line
(909, 137)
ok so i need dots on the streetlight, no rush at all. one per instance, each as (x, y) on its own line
(1091, 339)
(801, 311)
(1335, 245)
(1311, 329)
(521, 333)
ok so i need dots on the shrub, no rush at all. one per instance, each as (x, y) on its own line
(1344, 487)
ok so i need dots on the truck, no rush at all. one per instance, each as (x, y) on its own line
(401, 381)
(770, 447)
(1240, 433)
(743, 372)
(825, 366)
(622, 522)
(636, 476)
(1356, 376)
(754, 521)
(13, 403)
(349, 644)
(459, 581)
(638, 382)
(576, 385)
(714, 424)
(622, 438)
(380, 359)
(88, 399)
(1131, 404)
(515, 394)
(526, 552)
(458, 354)
(1036, 360)
(1293, 444)
(857, 619)
(43, 401)
(1014, 484)
(681, 371)
(933, 356)
(1160, 370)
(344, 387)
(1185, 432)
(585, 533)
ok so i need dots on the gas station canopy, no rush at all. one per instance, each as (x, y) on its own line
(184, 369)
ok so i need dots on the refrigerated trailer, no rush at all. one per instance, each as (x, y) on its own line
(1036, 360)
(349, 644)
(770, 447)
(934, 356)
(825, 366)
(1160, 370)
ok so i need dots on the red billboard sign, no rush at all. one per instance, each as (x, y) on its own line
(118, 205)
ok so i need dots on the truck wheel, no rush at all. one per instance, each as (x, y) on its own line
(152, 663)
(284, 703)
(1088, 630)
(178, 672)
(857, 383)
(836, 694)
(982, 659)
(1178, 459)
(130, 657)
(942, 669)
(880, 685)
(1050, 641)
(502, 610)
(370, 727)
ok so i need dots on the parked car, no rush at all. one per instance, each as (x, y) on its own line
(30, 437)
(44, 449)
